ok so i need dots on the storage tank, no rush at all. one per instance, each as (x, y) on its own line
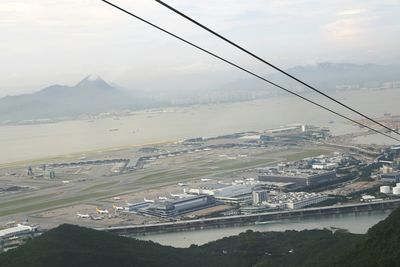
(385, 189)
(396, 190)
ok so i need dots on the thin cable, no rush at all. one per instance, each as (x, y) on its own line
(272, 65)
(243, 69)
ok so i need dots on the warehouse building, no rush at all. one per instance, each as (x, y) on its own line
(393, 177)
(14, 236)
(223, 190)
(300, 177)
(296, 200)
(305, 200)
(18, 230)
(228, 193)
(176, 207)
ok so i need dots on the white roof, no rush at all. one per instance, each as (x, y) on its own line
(255, 137)
(14, 230)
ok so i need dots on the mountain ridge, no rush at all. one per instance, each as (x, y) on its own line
(86, 97)
(326, 76)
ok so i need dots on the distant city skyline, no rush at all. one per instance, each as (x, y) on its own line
(45, 42)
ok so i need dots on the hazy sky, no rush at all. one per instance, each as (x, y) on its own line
(43, 42)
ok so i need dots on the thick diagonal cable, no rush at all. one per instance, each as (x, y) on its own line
(243, 69)
(273, 66)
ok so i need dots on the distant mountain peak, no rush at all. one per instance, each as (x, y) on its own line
(92, 95)
(93, 77)
(93, 80)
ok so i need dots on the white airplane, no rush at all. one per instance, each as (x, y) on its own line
(175, 195)
(162, 198)
(99, 211)
(65, 182)
(97, 218)
(182, 184)
(205, 179)
(148, 200)
(117, 208)
(83, 216)
(116, 198)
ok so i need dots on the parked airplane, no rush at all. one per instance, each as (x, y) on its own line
(182, 184)
(117, 208)
(162, 198)
(99, 211)
(97, 218)
(148, 200)
(83, 216)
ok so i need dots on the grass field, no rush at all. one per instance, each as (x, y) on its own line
(190, 173)
(239, 164)
(26, 200)
(99, 186)
(307, 154)
(54, 203)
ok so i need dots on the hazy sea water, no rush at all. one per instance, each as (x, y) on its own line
(46, 140)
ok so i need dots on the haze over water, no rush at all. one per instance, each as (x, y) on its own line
(25, 142)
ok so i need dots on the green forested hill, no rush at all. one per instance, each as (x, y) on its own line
(381, 247)
(70, 245)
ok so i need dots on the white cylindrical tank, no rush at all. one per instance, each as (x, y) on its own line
(396, 190)
(385, 189)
